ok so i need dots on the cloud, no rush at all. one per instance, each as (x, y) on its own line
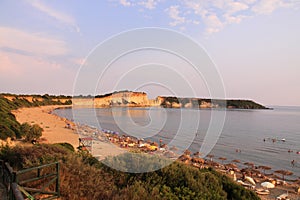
(27, 74)
(59, 16)
(22, 52)
(174, 14)
(125, 3)
(214, 14)
(30, 43)
(34, 62)
(234, 7)
(7, 65)
(15, 65)
(268, 6)
(213, 24)
(149, 4)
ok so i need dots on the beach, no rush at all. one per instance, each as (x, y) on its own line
(60, 130)
(102, 143)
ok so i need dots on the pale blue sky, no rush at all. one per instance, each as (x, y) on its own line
(254, 43)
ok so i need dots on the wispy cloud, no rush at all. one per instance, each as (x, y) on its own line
(149, 4)
(36, 44)
(21, 50)
(213, 24)
(125, 3)
(216, 14)
(268, 6)
(174, 14)
(213, 15)
(59, 16)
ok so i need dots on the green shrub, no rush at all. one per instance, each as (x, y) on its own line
(35, 132)
(82, 179)
(67, 146)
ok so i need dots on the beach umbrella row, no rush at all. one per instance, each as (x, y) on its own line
(250, 165)
(284, 173)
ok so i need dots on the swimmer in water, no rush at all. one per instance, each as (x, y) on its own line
(293, 163)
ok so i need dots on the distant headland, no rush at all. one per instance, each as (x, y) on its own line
(140, 99)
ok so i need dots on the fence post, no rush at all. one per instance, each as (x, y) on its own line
(16, 192)
(58, 180)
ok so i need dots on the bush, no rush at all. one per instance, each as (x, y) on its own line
(25, 129)
(67, 146)
(34, 133)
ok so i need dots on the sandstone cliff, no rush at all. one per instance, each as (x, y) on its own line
(122, 99)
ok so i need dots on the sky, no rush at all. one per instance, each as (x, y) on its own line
(254, 44)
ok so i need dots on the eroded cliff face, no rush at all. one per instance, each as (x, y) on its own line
(130, 99)
(123, 99)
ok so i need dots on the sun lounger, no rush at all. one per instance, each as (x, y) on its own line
(283, 197)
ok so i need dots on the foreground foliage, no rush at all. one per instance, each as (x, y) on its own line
(83, 177)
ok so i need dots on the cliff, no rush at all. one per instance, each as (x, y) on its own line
(38, 100)
(174, 102)
(122, 99)
(140, 99)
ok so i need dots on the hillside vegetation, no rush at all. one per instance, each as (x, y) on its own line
(9, 126)
(83, 177)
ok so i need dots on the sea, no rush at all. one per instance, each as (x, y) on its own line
(263, 137)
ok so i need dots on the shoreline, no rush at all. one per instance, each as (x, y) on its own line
(59, 130)
(54, 127)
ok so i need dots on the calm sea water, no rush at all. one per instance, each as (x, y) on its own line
(243, 129)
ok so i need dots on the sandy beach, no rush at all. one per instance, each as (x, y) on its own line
(59, 130)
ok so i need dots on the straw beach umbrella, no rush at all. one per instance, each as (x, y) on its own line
(236, 161)
(198, 160)
(231, 165)
(223, 159)
(154, 144)
(169, 154)
(249, 164)
(184, 158)
(187, 152)
(250, 171)
(210, 156)
(164, 146)
(197, 154)
(284, 173)
(264, 168)
(173, 148)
